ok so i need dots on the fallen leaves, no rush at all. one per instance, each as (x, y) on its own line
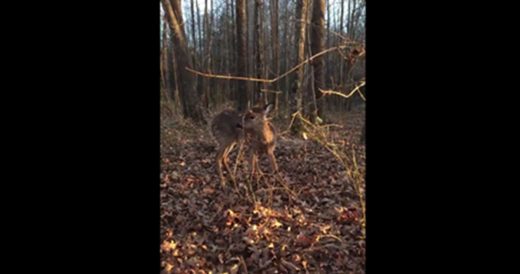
(168, 246)
(209, 229)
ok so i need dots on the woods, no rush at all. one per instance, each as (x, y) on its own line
(261, 39)
(262, 136)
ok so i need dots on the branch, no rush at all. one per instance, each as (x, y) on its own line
(228, 77)
(328, 92)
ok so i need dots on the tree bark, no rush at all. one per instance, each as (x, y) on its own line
(341, 76)
(242, 52)
(187, 85)
(317, 30)
(275, 47)
(297, 89)
(258, 14)
(164, 60)
(207, 54)
(193, 32)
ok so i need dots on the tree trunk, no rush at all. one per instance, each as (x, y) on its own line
(187, 85)
(206, 55)
(353, 19)
(349, 19)
(195, 61)
(275, 47)
(341, 63)
(193, 32)
(287, 53)
(297, 89)
(317, 30)
(199, 27)
(258, 14)
(328, 57)
(242, 52)
(172, 62)
(164, 61)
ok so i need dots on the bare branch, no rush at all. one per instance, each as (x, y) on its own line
(252, 79)
(329, 92)
(228, 77)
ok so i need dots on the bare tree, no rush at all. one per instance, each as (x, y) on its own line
(317, 30)
(164, 58)
(242, 51)
(341, 29)
(193, 31)
(275, 45)
(187, 85)
(259, 51)
(297, 89)
(206, 57)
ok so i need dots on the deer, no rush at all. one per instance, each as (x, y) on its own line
(260, 137)
(227, 129)
(251, 128)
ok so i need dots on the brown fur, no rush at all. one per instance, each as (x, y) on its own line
(226, 127)
(260, 137)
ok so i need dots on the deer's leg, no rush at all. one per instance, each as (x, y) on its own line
(252, 164)
(225, 161)
(239, 155)
(272, 159)
(220, 154)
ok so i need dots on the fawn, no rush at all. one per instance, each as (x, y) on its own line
(260, 136)
(229, 128)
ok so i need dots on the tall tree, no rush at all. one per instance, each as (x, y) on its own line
(194, 51)
(164, 60)
(327, 58)
(242, 51)
(207, 53)
(297, 89)
(187, 85)
(194, 41)
(275, 45)
(352, 19)
(199, 27)
(349, 19)
(317, 31)
(341, 31)
(259, 15)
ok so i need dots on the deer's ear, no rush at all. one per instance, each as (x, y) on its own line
(267, 109)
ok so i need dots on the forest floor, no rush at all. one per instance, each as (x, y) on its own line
(206, 228)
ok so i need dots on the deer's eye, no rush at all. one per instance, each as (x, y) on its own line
(250, 116)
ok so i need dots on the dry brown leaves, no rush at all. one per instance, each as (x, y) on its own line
(209, 229)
